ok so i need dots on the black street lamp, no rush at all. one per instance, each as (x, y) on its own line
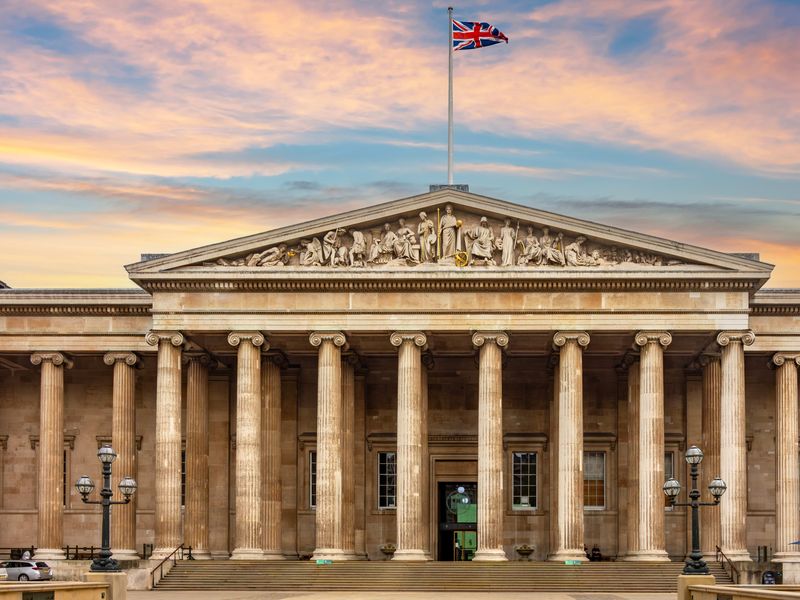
(127, 486)
(695, 565)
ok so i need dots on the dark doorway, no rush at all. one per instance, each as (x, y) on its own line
(458, 520)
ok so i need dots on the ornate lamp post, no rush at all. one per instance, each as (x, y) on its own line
(695, 565)
(127, 486)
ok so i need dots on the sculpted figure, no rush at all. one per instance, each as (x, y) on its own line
(272, 257)
(483, 243)
(406, 244)
(448, 232)
(332, 250)
(358, 251)
(506, 242)
(427, 238)
(382, 250)
(575, 254)
(531, 250)
(550, 251)
(311, 253)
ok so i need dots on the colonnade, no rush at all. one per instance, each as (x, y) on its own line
(258, 448)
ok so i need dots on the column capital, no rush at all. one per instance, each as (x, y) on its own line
(398, 337)
(706, 358)
(479, 338)
(175, 337)
(628, 359)
(428, 360)
(642, 338)
(129, 358)
(746, 337)
(57, 358)
(780, 358)
(562, 337)
(255, 337)
(277, 358)
(337, 337)
(204, 358)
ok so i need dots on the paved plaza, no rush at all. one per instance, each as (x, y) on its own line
(232, 595)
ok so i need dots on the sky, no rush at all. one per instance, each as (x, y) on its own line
(142, 126)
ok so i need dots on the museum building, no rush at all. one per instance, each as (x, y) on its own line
(442, 377)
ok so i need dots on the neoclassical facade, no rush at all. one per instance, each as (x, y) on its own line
(446, 376)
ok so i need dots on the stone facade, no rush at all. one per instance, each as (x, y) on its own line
(246, 368)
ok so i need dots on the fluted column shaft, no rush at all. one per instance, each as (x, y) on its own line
(348, 459)
(712, 389)
(409, 445)
(733, 450)
(123, 440)
(196, 529)
(168, 441)
(329, 448)
(787, 493)
(633, 461)
(271, 457)
(427, 361)
(51, 450)
(491, 506)
(570, 445)
(248, 445)
(651, 545)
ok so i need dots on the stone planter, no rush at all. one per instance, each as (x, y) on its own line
(524, 551)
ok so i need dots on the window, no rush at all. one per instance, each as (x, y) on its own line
(669, 471)
(594, 480)
(312, 479)
(183, 476)
(387, 479)
(523, 485)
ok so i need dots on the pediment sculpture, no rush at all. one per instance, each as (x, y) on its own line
(471, 241)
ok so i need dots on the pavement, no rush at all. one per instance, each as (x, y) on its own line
(233, 595)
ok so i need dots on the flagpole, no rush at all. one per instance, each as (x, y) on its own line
(450, 101)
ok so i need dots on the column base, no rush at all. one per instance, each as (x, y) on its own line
(161, 553)
(124, 554)
(790, 566)
(648, 556)
(565, 555)
(410, 556)
(328, 554)
(201, 554)
(490, 555)
(273, 555)
(247, 554)
(738, 555)
(49, 554)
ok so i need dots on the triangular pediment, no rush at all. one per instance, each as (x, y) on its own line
(459, 230)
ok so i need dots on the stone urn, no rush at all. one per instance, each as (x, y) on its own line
(388, 550)
(524, 551)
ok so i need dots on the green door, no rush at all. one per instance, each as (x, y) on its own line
(458, 520)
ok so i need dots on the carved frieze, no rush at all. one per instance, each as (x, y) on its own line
(468, 240)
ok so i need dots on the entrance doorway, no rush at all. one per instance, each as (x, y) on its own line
(458, 520)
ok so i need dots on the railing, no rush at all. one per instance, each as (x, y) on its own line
(16, 553)
(81, 552)
(722, 560)
(170, 560)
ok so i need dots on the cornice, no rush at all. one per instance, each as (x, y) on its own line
(75, 311)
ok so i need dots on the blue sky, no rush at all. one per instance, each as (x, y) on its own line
(155, 127)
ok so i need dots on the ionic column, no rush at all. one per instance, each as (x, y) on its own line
(427, 363)
(248, 444)
(570, 445)
(329, 450)
(733, 450)
(409, 445)
(271, 455)
(632, 507)
(168, 441)
(196, 528)
(123, 440)
(710, 468)
(651, 446)
(787, 493)
(491, 505)
(51, 454)
(348, 532)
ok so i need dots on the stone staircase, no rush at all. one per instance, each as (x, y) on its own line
(427, 577)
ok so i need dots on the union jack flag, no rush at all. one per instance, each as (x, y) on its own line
(471, 34)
